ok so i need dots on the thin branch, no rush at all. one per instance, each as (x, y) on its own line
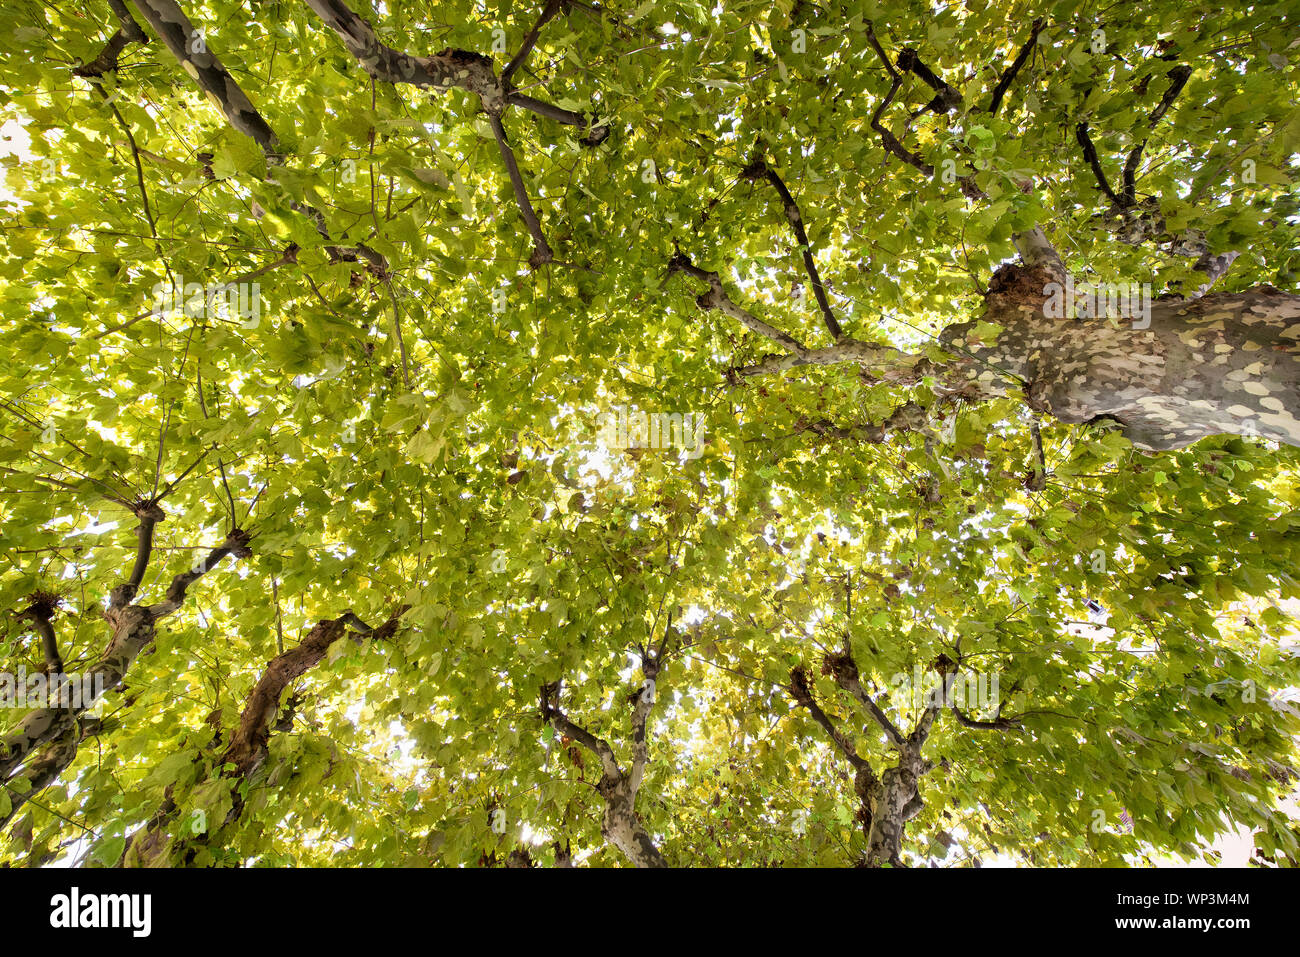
(397, 329)
(596, 133)
(107, 60)
(290, 255)
(717, 298)
(1090, 154)
(845, 671)
(946, 97)
(41, 613)
(880, 52)
(1009, 74)
(150, 514)
(236, 544)
(890, 141)
(1178, 77)
(801, 691)
(541, 249)
(997, 724)
(759, 169)
(549, 11)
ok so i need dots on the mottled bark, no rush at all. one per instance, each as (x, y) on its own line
(891, 799)
(190, 47)
(1223, 363)
(894, 800)
(622, 827)
(450, 68)
(42, 772)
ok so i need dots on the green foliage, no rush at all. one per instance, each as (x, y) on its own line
(429, 437)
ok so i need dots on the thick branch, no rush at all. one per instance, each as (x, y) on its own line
(597, 746)
(916, 740)
(133, 630)
(885, 363)
(1214, 268)
(451, 68)
(41, 773)
(248, 745)
(190, 47)
(640, 715)
(1036, 250)
(909, 417)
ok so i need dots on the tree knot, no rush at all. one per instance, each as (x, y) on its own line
(237, 541)
(799, 687)
(841, 667)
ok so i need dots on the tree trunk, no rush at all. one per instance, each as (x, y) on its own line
(622, 827)
(1223, 363)
(894, 800)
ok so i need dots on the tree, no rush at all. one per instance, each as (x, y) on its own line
(837, 434)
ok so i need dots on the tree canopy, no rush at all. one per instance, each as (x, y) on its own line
(771, 433)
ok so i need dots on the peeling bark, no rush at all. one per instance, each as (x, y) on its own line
(185, 43)
(1225, 363)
